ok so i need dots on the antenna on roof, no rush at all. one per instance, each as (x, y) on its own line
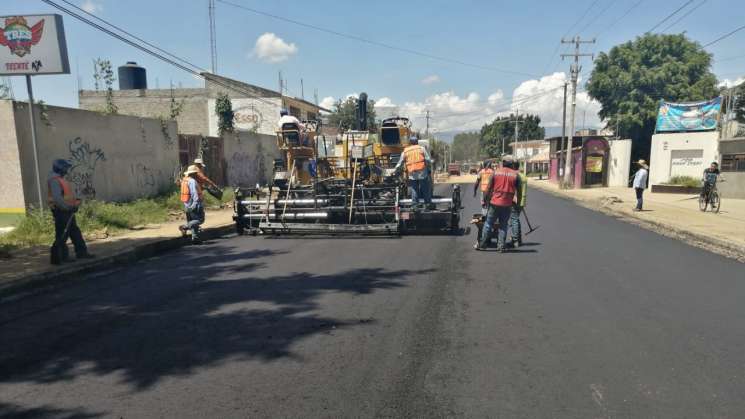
(213, 36)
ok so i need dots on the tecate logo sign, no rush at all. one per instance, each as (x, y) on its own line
(33, 44)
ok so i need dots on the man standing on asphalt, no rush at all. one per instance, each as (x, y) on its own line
(418, 163)
(517, 207)
(640, 183)
(192, 197)
(482, 183)
(504, 185)
(61, 200)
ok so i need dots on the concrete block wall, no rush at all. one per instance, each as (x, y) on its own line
(250, 114)
(156, 103)
(249, 158)
(11, 182)
(115, 157)
(684, 154)
(620, 162)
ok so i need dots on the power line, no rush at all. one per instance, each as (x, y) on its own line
(626, 13)
(684, 16)
(134, 36)
(595, 18)
(376, 43)
(670, 15)
(558, 45)
(113, 34)
(727, 35)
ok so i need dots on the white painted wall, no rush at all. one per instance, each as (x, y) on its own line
(620, 161)
(250, 114)
(681, 154)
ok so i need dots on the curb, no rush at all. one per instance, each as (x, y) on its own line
(699, 240)
(35, 283)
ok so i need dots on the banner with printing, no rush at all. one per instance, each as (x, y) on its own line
(689, 116)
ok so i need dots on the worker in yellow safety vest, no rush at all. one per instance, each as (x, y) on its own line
(61, 200)
(193, 199)
(415, 158)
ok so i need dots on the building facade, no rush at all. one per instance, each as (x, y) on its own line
(256, 108)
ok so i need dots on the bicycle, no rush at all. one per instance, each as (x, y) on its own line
(711, 199)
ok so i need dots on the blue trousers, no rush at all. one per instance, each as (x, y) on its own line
(419, 189)
(194, 219)
(515, 226)
(496, 214)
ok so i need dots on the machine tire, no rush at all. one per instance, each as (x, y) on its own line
(239, 229)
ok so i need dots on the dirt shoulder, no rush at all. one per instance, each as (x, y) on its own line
(672, 215)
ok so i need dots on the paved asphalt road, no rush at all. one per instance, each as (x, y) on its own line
(594, 318)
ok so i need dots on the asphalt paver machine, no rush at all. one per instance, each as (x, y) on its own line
(342, 185)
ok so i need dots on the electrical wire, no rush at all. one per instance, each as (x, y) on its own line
(684, 16)
(229, 86)
(558, 45)
(670, 15)
(626, 13)
(596, 17)
(727, 35)
(376, 43)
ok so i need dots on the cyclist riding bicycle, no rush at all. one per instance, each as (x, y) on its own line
(711, 175)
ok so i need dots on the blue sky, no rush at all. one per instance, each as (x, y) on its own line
(521, 36)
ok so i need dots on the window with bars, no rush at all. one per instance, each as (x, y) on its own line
(733, 162)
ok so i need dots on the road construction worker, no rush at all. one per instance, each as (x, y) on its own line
(504, 186)
(193, 199)
(418, 165)
(482, 182)
(201, 176)
(518, 207)
(61, 200)
(286, 118)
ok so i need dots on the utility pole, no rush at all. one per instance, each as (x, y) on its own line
(302, 89)
(280, 82)
(426, 131)
(213, 36)
(574, 70)
(563, 133)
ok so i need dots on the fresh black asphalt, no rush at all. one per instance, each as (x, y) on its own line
(592, 318)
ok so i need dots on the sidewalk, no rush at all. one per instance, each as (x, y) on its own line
(672, 215)
(27, 268)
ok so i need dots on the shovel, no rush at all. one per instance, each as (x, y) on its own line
(525, 214)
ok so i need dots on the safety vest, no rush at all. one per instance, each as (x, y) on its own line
(415, 158)
(67, 194)
(484, 177)
(185, 193)
(504, 187)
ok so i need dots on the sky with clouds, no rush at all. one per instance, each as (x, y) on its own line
(465, 62)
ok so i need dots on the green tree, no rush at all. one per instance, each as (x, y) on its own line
(631, 79)
(344, 114)
(466, 146)
(225, 114)
(502, 130)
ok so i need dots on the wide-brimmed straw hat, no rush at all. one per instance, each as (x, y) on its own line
(191, 170)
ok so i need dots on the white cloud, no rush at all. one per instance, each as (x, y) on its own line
(732, 83)
(91, 6)
(384, 102)
(273, 49)
(431, 79)
(328, 102)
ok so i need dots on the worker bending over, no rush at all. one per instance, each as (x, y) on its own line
(417, 161)
(193, 200)
(518, 207)
(504, 186)
(61, 200)
(286, 118)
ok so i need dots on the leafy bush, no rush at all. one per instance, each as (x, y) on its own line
(687, 181)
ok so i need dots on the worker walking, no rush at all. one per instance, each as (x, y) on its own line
(504, 186)
(61, 200)
(418, 163)
(518, 207)
(482, 184)
(192, 198)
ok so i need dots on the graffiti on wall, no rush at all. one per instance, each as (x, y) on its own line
(244, 170)
(144, 176)
(84, 159)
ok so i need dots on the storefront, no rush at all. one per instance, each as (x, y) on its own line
(590, 161)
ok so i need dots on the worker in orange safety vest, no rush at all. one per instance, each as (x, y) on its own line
(504, 187)
(415, 158)
(192, 197)
(61, 200)
(482, 184)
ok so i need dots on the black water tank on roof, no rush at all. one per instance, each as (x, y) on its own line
(132, 76)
